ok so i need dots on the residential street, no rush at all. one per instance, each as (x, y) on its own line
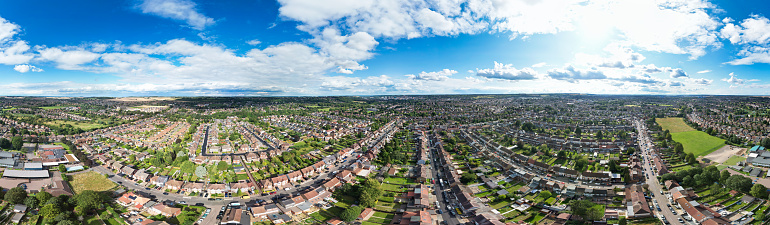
(216, 205)
(646, 146)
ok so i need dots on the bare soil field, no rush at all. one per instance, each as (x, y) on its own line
(721, 155)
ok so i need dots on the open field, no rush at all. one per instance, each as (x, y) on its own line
(142, 99)
(149, 106)
(53, 107)
(698, 142)
(673, 124)
(85, 125)
(90, 181)
(734, 160)
(723, 154)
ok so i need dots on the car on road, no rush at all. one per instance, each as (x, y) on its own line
(211, 199)
(680, 220)
(182, 202)
(439, 211)
(165, 193)
(147, 188)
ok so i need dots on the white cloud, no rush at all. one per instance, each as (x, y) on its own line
(538, 65)
(700, 81)
(678, 73)
(23, 68)
(342, 83)
(253, 42)
(673, 26)
(346, 51)
(12, 51)
(72, 58)
(183, 10)
(507, 72)
(572, 74)
(433, 76)
(704, 71)
(753, 30)
(734, 80)
(753, 35)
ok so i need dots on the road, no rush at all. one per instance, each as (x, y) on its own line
(647, 152)
(440, 188)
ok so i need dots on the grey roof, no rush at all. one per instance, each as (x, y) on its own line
(33, 165)
(26, 173)
(4, 154)
(761, 161)
(7, 162)
(304, 206)
(755, 172)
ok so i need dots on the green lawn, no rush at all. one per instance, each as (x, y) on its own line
(698, 142)
(90, 181)
(383, 215)
(395, 180)
(734, 160)
(53, 107)
(391, 187)
(93, 220)
(242, 176)
(673, 124)
(500, 204)
(85, 125)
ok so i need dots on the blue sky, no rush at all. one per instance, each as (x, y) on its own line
(366, 47)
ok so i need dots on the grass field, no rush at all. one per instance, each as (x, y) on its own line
(90, 181)
(673, 124)
(53, 107)
(733, 160)
(77, 124)
(698, 142)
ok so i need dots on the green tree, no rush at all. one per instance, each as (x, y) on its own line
(62, 168)
(16, 195)
(716, 188)
(17, 142)
(693, 160)
(739, 183)
(468, 178)
(50, 211)
(723, 177)
(759, 191)
(760, 217)
(622, 221)
(31, 202)
(187, 167)
(594, 214)
(222, 166)
(65, 222)
(5, 143)
(43, 197)
(580, 207)
(88, 200)
(63, 216)
(350, 214)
